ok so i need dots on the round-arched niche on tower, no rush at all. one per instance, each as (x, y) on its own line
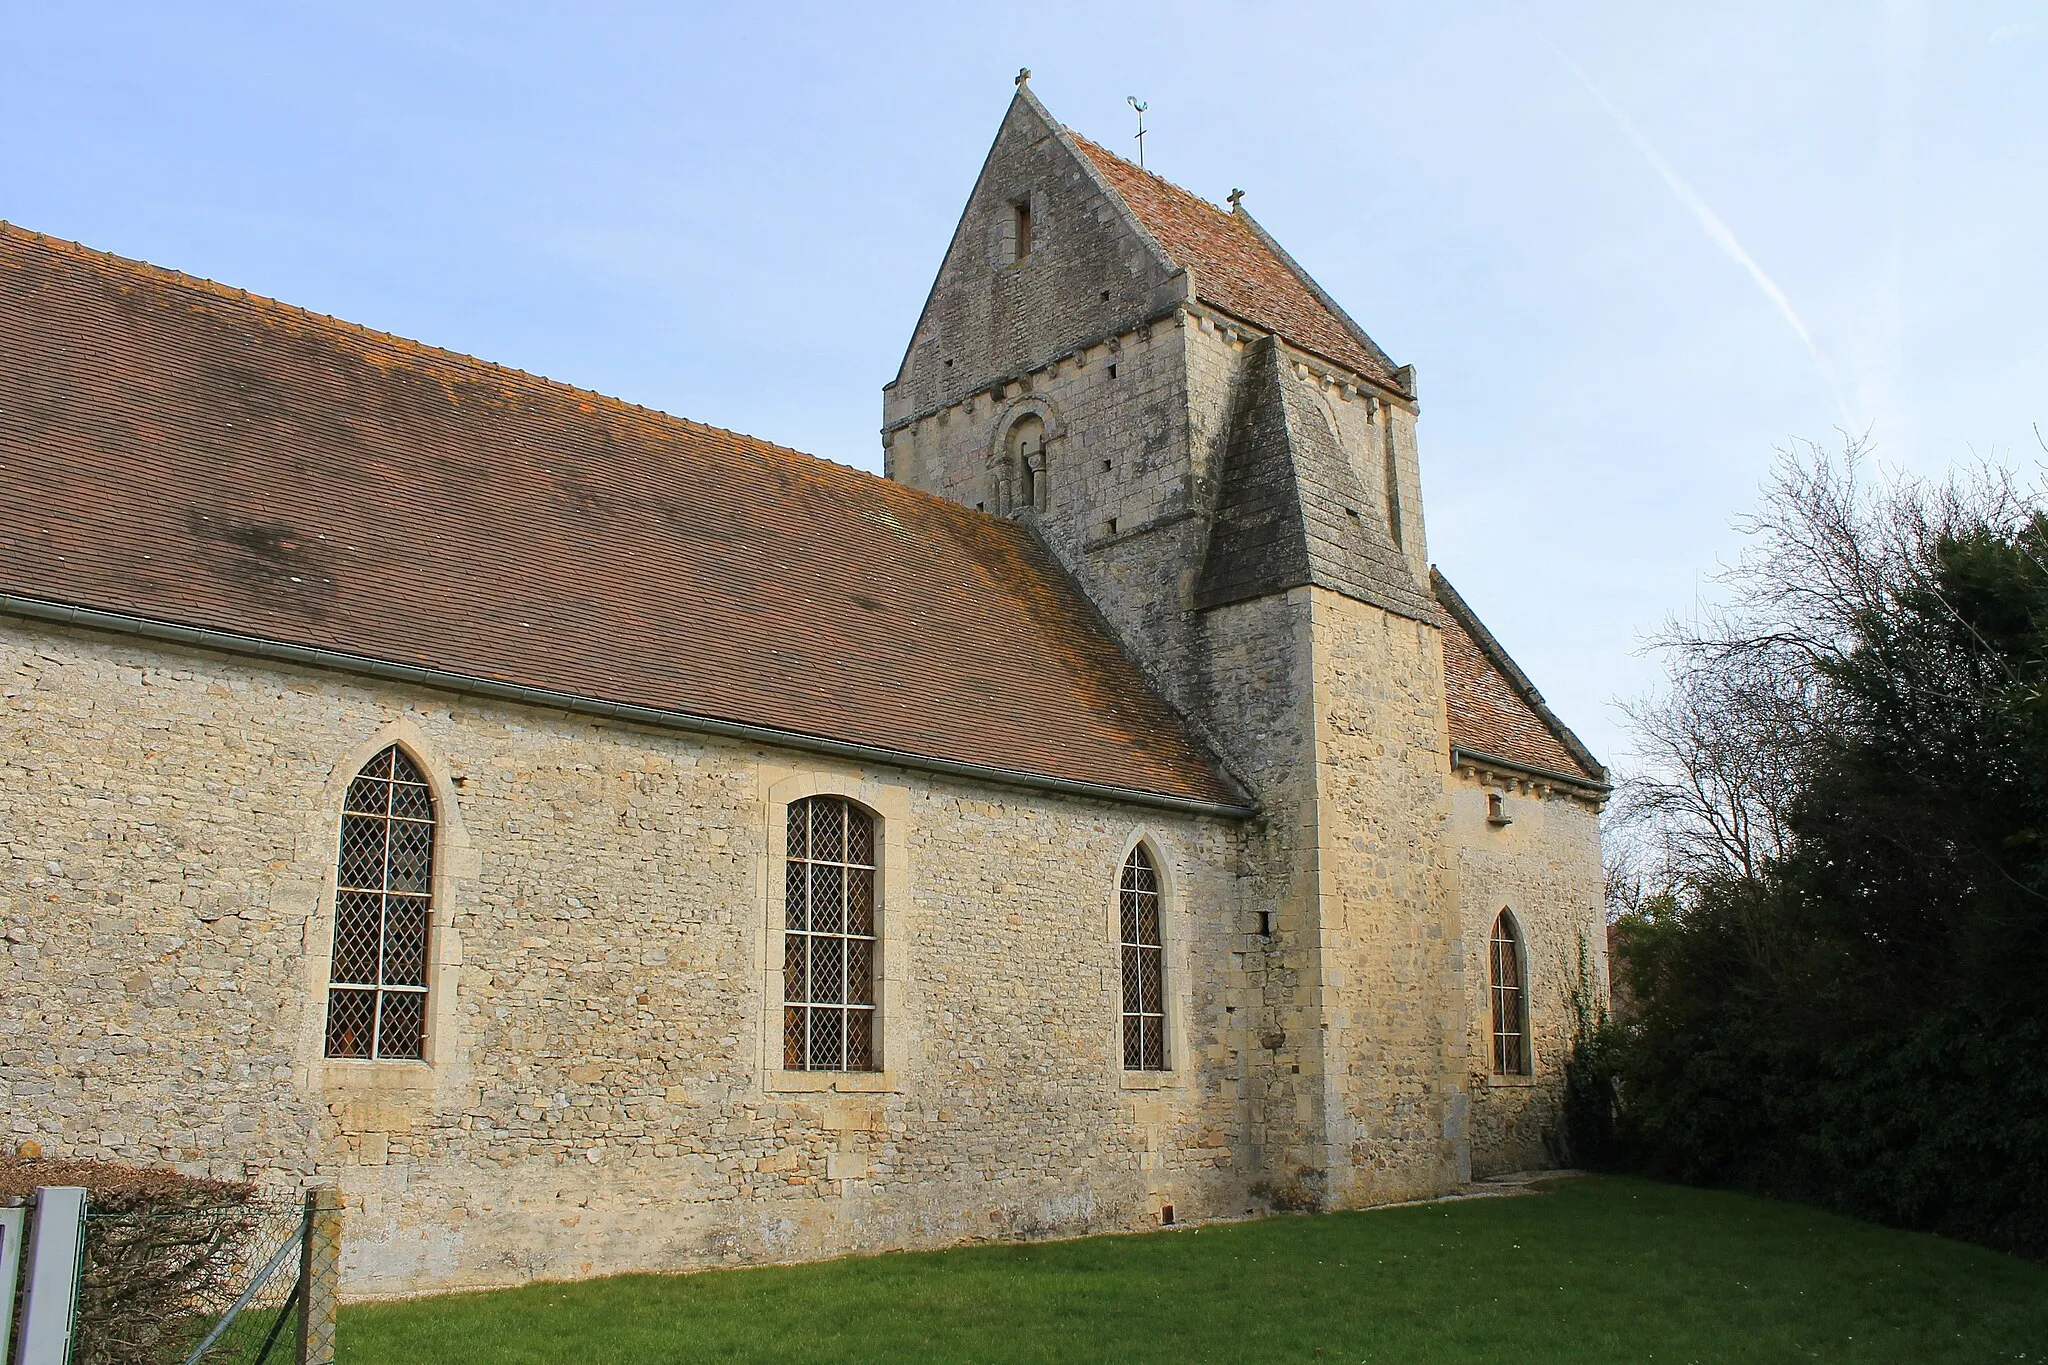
(1024, 452)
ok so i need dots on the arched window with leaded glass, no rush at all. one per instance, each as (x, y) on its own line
(1144, 964)
(828, 938)
(383, 914)
(1510, 999)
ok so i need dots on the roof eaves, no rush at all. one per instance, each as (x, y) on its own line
(281, 651)
(1448, 597)
(1479, 758)
(1254, 328)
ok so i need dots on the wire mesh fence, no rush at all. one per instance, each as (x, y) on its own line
(175, 1269)
(159, 1283)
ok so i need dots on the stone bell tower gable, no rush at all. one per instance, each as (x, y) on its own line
(1046, 261)
(1046, 380)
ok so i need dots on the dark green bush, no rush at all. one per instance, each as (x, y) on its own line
(1851, 1012)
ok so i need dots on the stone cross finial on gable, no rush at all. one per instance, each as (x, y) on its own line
(1023, 75)
(1235, 195)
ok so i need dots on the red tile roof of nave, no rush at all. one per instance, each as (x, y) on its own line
(1488, 712)
(1233, 266)
(178, 450)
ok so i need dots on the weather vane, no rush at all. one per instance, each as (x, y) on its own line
(1141, 107)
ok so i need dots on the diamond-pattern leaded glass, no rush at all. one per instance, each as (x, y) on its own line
(351, 1022)
(860, 1040)
(1510, 1010)
(793, 1053)
(860, 900)
(402, 1024)
(1144, 965)
(357, 927)
(828, 945)
(383, 913)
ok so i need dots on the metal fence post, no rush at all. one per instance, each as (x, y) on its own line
(13, 1223)
(56, 1246)
(320, 1276)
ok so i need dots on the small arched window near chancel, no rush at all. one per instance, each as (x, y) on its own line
(1143, 952)
(829, 940)
(1510, 999)
(1025, 450)
(383, 914)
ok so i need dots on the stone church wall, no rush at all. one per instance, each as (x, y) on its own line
(1544, 868)
(1389, 928)
(1253, 658)
(603, 1093)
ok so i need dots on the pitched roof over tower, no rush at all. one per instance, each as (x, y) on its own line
(1237, 267)
(1156, 245)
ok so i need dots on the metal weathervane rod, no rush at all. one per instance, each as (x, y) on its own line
(1141, 107)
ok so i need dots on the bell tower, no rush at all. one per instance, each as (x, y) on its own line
(1226, 464)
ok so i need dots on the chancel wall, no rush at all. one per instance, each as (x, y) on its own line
(1530, 849)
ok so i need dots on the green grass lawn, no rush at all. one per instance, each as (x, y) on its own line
(1590, 1269)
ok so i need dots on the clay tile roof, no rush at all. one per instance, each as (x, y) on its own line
(187, 453)
(1238, 268)
(1494, 710)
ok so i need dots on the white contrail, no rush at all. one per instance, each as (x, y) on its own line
(1717, 231)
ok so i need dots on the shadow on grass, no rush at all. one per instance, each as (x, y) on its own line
(1591, 1269)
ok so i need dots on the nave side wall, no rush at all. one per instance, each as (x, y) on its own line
(604, 1092)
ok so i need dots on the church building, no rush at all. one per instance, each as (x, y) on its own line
(597, 841)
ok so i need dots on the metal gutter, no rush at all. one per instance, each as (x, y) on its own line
(1479, 759)
(120, 623)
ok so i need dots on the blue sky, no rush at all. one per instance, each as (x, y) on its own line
(1590, 227)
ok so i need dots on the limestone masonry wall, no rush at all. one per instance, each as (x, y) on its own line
(1118, 495)
(1389, 920)
(1543, 868)
(1253, 659)
(603, 1093)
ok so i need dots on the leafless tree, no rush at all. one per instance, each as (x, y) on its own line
(1720, 748)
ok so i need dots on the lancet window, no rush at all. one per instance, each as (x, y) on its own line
(1510, 1000)
(1144, 964)
(383, 914)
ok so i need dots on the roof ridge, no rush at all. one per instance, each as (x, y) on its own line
(1236, 265)
(1497, 654)
(173, 276)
